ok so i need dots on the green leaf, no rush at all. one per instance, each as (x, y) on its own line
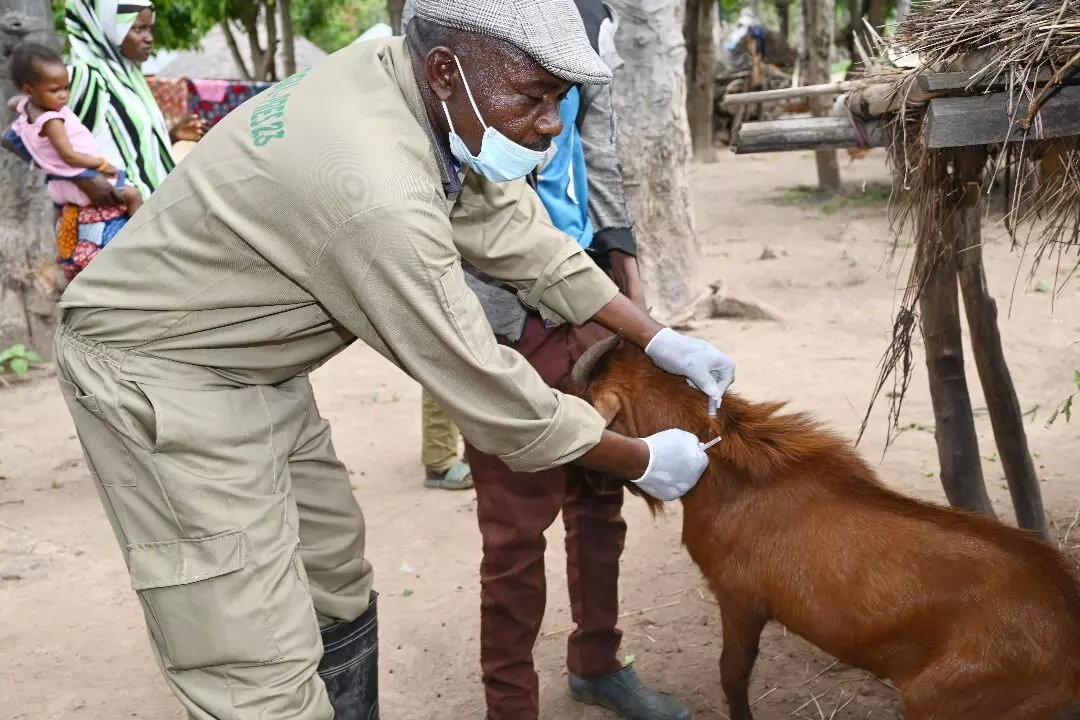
(19, 366)
(408, 592)
(32, 356)
(6, 355)
(1042, 286)
(1076, 377)
(1067, 409)
(628, 659)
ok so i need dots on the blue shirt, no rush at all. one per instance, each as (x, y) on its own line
(562, 185)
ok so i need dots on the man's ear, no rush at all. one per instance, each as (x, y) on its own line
(442, 75)
(608, 405)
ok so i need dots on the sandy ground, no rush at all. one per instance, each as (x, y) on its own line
(72, 643)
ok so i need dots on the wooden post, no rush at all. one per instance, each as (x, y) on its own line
(1004, 407)
(954, 430)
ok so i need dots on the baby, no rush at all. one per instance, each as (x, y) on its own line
(51, 133)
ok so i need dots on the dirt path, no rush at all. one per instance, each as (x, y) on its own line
(72, 643)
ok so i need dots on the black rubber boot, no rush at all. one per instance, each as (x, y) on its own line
(350, 665)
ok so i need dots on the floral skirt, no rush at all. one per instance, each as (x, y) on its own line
(82, 232)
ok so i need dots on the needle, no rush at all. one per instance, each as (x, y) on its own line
(706, 446)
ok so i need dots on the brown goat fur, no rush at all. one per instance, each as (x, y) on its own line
(969, 618)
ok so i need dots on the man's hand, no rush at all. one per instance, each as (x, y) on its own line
(624, 271)
(704, 367)
(676, 463)
(100, 191)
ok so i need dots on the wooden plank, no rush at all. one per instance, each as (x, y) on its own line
(822, 133)
(962, 81)
(791, 93)
(1006, 417)
(987, 119)
(954, 423)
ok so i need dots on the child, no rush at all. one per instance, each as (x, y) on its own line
(51, 133)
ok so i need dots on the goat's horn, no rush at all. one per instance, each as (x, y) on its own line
(583, 368)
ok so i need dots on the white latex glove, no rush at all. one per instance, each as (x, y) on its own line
(676, 463)
(703, 366)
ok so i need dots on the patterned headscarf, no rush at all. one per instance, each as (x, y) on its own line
(109, 92)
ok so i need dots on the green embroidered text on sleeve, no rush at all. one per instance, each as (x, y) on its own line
(268, 119)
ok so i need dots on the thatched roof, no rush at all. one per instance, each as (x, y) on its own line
(1009, 42)
(214, 61)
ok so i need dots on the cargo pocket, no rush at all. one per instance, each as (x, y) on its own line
(107, 457)
(200, 602)
(468, 315)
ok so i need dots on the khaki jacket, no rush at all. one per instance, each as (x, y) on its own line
(325, 210)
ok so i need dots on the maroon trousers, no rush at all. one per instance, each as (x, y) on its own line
(514, 509)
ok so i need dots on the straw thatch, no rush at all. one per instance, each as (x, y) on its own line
(1008, 42)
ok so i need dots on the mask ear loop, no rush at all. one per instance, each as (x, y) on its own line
(468, 92)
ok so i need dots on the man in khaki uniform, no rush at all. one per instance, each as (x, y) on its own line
(337, 205)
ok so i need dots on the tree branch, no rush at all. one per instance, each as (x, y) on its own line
(251, 27)
(234, 49)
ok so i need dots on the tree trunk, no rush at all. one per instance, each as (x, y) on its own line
(875, 14)
(30, 282)
(395, 8)
(650, 99)
(234, 50)
(855, 14)
(288, 37)
(804, 40)
(1006, 417)
(701, 71)
(821, 28)
(268, 67)
(783, 10)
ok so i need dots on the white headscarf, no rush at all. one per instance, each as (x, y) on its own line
(110, 94)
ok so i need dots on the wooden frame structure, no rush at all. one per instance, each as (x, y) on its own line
(965, 117)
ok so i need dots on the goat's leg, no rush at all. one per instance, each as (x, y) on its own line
(742, 630)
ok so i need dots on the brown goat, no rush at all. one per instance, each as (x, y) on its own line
(969, 618)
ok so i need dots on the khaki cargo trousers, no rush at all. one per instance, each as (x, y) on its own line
(236, 520)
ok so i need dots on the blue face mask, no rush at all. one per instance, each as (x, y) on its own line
(500, 159)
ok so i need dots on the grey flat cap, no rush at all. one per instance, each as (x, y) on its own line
(549, 31)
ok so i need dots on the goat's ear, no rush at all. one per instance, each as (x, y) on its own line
(608, 405)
